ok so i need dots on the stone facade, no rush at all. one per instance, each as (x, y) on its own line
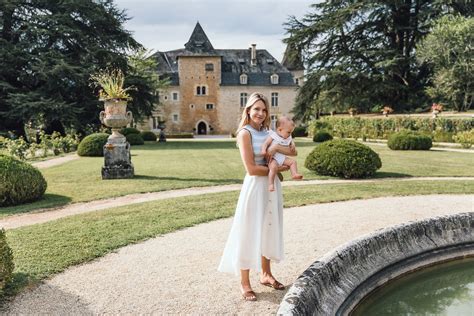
(207, 90)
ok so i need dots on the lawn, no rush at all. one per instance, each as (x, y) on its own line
(45, 249)
(182, 164)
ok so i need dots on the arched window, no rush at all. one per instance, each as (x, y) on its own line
(243, 79)
(274, 79)
(198, 90)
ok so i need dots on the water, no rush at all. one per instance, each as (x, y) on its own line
(445, 289)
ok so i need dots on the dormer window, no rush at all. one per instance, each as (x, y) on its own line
(243, 79)
(274, 79)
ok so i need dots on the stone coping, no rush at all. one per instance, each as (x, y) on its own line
(339, 280)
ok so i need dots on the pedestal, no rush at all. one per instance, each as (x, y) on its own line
(117, 161)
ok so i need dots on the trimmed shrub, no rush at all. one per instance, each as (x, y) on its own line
(147, 135)
(321, 136)
(6, 261)
(180, 135)
(408, 140)
(135, 139)
(93, 145)
(129, 130)
(20, 182)
(299, 131)
(466, 139)
(343, 158)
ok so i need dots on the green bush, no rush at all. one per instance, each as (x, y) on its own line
(93, 145)
(19, 182)
(343, 158)
(129, 130)
(135, 139)
(318, 125)
(466, 139)
(299, 131)
(321, 136)
(408, 140)
(6, 261)
(180, 135)
(147, 135)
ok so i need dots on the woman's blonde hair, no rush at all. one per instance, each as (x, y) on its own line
(245, 119)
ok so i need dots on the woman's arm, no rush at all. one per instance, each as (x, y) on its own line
(288, 151)
(246, 153)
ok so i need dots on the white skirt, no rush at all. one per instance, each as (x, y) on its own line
(257, 229)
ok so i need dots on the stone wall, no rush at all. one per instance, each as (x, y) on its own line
(335, 284)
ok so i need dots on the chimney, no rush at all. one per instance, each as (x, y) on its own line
(253, 55)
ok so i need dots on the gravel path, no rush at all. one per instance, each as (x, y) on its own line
(176, 273)
(45, 215)
(55, 161)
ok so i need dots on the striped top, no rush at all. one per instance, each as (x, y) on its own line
(258, 138)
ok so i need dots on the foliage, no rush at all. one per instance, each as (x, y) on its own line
(6, 261)
(409, 140)
(135, 139)
(343, 158)
(93, 145)
(111, 83)
(466, 138)
(129, 130)
(448, 49)
(318, 125)
(321, 136)
(299, 131)
(148, 136)
(362, 53)
(19, 182)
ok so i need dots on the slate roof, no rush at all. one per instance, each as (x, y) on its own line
(234, 62)
(292, 58)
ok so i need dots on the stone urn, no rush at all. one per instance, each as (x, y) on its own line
(117, 159)
(435, 113)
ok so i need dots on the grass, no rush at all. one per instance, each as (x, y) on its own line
(182, 164)
(45, 249)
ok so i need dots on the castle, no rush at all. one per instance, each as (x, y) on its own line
(209, 87)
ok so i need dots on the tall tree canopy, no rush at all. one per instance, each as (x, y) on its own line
(48, 50)
(361, 53)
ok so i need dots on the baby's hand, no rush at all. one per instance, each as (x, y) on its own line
(292, 146)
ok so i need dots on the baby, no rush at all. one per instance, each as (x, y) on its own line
(282, 136)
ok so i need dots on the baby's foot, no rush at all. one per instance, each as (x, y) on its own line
(297, 176)
(271, 187)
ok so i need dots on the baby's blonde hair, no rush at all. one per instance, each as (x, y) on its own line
(282, 119)
(245, 119)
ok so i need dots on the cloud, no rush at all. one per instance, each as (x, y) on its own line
(167, 24)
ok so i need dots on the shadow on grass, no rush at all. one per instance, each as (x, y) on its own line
(383, 174)
(48, 201)
(186, 145)
(218, 181)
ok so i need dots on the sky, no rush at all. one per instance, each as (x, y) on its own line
(164, 25)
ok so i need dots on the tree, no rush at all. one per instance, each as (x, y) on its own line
(362, 53)
(48, 50)
(449, 49)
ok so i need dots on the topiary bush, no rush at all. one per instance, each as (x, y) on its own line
(93, 145)
(149, 136)
(466, 139)
(343, 158)
(321, 136)
(135, 139)
(20, 182)
(6, 261)
(409, 140)
(129, 130)
(299, 131)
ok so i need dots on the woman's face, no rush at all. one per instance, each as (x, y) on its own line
(258, 112)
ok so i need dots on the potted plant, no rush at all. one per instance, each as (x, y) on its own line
(436, 108)
(387, 110)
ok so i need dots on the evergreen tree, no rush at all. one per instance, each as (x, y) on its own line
(361, 53)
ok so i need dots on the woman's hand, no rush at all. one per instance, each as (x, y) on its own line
(283, 168)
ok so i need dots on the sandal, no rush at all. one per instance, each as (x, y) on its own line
(276, 285)
(249, 296)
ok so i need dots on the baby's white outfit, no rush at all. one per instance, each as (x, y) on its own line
(277, 139)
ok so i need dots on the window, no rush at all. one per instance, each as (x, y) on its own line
(243, 79)
(209, 106)
(175, 118)
(165, 97)
(209, 67)
(274, 98)
(191, 106)
(243, 99)
(273, 119)
(297, 81)
(201, 90)
(157, 121)
(274, 79)
(175, 96)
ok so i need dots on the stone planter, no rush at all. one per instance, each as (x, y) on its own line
(117, 159)
(435, 113)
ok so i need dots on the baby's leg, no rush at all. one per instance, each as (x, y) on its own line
(273, 166)
(293, 169)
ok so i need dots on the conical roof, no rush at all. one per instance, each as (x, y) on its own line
(198, 43)
(292, 58)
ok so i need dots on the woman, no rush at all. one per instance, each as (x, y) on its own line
(256, 236)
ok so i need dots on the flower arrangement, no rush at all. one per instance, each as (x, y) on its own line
(111, 82)
(387, 110)
(436, 107)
